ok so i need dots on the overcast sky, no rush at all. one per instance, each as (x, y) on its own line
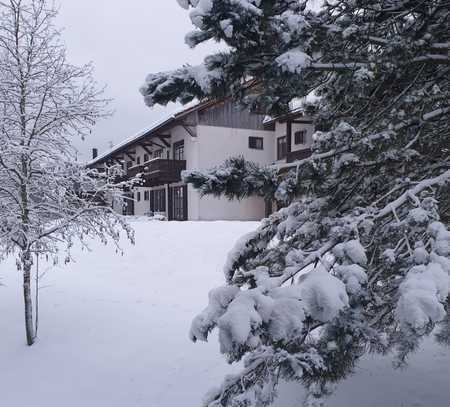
(126, 40)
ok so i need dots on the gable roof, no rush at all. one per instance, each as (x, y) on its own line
(292, 115)
(153, 130)
(297, 110)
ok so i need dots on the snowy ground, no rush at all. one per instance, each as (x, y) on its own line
(114, 330)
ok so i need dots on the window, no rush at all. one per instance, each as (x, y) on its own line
(178, 150)
(158, 203)
(281, 148)
(146, 195)
(138, 196)
(300, 137)
(138, 160)
(158, 153)
(146, 158)
(256, 143)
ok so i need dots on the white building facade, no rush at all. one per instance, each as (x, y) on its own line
(199, 138)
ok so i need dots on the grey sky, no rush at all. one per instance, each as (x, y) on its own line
(126, 40)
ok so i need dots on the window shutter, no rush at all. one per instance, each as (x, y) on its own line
(170, 206)
(185, 202)
(163, 204)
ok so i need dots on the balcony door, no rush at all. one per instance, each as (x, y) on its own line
(178, 203)
(178, 150)
(281, 148)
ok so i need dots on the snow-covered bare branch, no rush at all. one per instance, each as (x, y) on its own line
(46, 196)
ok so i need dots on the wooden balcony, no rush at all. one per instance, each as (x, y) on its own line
(298, 155)
(159, 171)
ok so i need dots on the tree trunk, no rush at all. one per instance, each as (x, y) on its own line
(29, 329)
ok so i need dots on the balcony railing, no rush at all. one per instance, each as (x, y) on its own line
(158, 171)
(298, 155)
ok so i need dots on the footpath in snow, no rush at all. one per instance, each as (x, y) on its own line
(114, 331)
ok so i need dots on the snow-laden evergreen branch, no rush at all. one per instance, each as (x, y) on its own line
(358, 258)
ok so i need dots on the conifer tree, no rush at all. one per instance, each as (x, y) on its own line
(358, 260)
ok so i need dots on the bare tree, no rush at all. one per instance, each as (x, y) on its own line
(47, 199)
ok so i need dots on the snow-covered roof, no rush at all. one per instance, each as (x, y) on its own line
(151, 130)
(292, 114)
(297, 108)
(170, 120)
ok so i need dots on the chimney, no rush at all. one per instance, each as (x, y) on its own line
(94, 153)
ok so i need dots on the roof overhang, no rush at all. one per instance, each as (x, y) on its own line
(156, 131)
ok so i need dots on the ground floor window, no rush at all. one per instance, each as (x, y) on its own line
(158, 200)
(256, 143)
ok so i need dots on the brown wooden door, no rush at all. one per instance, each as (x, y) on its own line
(178, 203)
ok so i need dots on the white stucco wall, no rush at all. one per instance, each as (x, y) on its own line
(219, 143)
(309, 133)
(211, 147)
(214, 146)
(212, 208)
(141, 207)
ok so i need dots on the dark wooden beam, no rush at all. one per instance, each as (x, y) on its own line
(153, 143)
(188, 130)
(130, 156)
(159, 145)
(145, 147)
(302, 121)
(291, 117)
(165, 142)
(288, 136)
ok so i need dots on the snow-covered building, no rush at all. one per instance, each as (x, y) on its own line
(201, 137)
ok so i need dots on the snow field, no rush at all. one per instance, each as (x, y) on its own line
(114, 331)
